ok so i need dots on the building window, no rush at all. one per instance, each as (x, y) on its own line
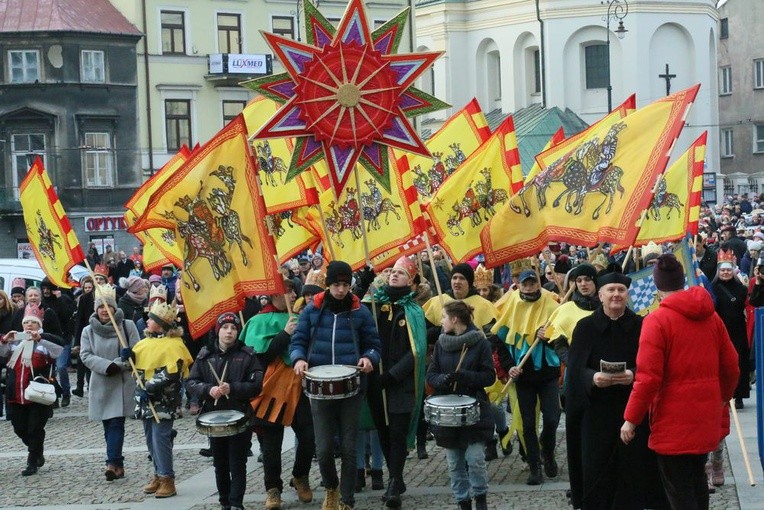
(758, 73)
(536, 71)
(725, 80)
(753, 185)
(493, 61)
(724, 28)
(758, 138)
(98, 160)
(597, 66)
(726, 143)
(229, 33)
(24, 149)
(24, 66)
(178, 123)
(284, 26)
(93, 68)
(231, 109)
(173, 33)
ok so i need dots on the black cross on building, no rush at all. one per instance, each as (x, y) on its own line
(666, 76)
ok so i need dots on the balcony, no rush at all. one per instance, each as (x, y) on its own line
(228, 69)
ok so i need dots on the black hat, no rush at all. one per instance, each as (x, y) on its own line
(309, 288)
(47, 283)
(227, 318)
(338, 271)
(562, 266)
(584, 269)
(466, 271)
(613, 277)
(668, 273)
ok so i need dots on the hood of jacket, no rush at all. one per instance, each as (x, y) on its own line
(694, 303)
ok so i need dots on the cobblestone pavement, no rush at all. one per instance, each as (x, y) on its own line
(73, 474)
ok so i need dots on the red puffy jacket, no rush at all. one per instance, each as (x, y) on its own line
(686, 371)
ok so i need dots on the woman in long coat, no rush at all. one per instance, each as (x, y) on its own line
(112, 386)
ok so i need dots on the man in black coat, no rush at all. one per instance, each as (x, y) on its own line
(64, 307)
(706, 257)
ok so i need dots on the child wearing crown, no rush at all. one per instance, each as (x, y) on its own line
(161, 360)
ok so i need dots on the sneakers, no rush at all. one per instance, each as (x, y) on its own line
(331, 500)
(302, 486)
(273, 499)
(152, 486)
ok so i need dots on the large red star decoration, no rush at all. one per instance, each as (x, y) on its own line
(346, 94)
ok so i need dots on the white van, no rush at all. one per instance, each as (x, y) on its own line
(30, 271)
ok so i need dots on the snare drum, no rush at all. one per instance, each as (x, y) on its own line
(451, 410)
(328, 382)
(222, 423)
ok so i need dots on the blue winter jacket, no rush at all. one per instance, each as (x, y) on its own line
(325, 338)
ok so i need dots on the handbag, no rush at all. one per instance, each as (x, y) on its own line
(40, 390)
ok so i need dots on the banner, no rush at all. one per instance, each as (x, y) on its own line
(53, 241)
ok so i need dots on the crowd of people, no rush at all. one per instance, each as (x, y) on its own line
(364, 366)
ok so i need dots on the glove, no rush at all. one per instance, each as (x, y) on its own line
(126, 353)
(366, 276)
(112, 369)
(449, 379)
(141, 395)
(457, 376)
(386, 380)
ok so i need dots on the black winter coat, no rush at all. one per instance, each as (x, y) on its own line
(478, 372)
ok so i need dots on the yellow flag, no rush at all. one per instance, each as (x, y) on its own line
(459, 137)
(557, 138)
(291, 237)
(595, 193)
(53, 241)
(675, 207)
(469, 198)
(214, 205)
(273, 156)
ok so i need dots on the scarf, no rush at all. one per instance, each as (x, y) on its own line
(338, 305)
(588, 303)
(531, 297)
(24, 350)
(453, 343)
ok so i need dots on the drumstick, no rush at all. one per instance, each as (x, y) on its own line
(215, 375)
(459, 365)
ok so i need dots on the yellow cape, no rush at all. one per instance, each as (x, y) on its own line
(483, 314)
(154, 353)
(564, 320)
(520, 319)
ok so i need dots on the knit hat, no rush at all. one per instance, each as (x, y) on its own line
(155, 278)
(18, 286)
(562, 265)
(33, 313)
(466, 271)
(338, 271)
(668, 273)
(105, 295)
(584, 269)
(135, 286)
(227, 318)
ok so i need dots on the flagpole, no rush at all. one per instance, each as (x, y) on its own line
(123, 343)
(434, 267)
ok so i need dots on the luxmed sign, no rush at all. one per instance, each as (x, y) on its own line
(246, 64)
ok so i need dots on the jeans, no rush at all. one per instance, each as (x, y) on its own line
(467, 470)
(159, 443)
(28, 422)
(684, 480)
(229, 456)
(114, 433)
(499, 416)
(549, 394)
(271, 437)
(62, 369)
(329, 418)
(372, 438)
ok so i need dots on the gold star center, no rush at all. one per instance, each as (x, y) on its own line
(348, 95)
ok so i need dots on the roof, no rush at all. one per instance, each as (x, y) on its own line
(88, 16)
(535, 125)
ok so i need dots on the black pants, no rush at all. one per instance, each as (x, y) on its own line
(229, 456)
(548, 393)
(684, 480)
(392, 439)
(29, 424)
(271, 437)
(83, 374)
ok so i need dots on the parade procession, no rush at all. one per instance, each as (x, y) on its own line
(331, 305)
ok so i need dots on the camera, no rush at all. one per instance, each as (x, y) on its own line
(21, 336)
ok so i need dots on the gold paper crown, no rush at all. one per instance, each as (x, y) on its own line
(316, 277)
(651, 249)
(164, 314)
(726, 256)
(483, 277)
(518, 266)
(158, 292)
(105, 292)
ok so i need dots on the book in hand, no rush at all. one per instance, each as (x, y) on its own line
(612, 367)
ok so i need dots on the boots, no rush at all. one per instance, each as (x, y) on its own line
(360, 480)
(79, 391)
(377, 481)
(31, 465)
(535, 477)
(331, 500)
(503, 439)
(111, 473)
(709, 478)
(152, 486)
(481, 503)
(166, 487)
(302, 486)
(465, 505)
(550, 465)
(717, 473)
(490, 451)
(392, 496)
(421, 448)
(273, 499)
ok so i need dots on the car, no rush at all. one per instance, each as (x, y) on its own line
(30, 271)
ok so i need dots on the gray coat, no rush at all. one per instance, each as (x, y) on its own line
(110, 396)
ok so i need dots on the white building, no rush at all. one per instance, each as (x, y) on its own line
(514, 53)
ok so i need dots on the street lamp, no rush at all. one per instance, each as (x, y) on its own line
(616, 10)
(297, 13)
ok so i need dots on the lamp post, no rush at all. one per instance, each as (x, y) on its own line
(616, 10)
(298, 12)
